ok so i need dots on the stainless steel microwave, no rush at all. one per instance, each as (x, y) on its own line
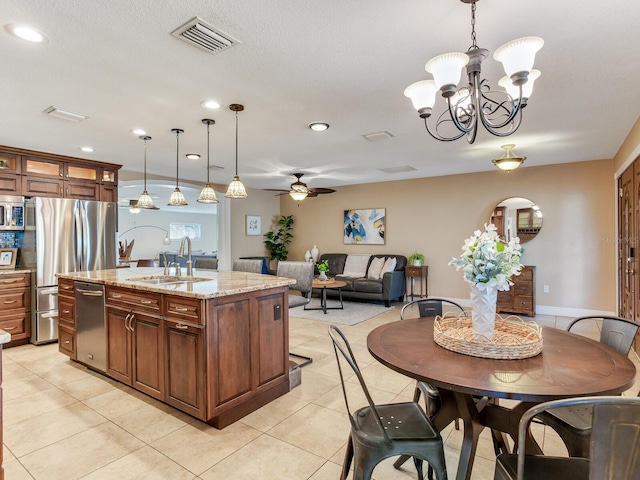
(11, 213)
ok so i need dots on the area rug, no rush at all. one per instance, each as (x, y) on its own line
(352, 314)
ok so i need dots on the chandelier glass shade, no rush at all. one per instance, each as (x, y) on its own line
(236, 188)
(145, 200)
(299, 192)
(177, 198)
(509, 161)
(208, 194)
(499, 111)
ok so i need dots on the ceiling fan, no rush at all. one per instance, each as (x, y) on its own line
(300, 191)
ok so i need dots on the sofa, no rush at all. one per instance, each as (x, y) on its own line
(390, 287)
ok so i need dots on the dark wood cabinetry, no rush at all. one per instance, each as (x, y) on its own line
(67, 317)
(15, 301)
(216, 359)
(39, 174)
(521, 297)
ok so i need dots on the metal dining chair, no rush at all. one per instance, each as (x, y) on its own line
(302, 272)
(615, 455)
(573, 423)
(383, 431)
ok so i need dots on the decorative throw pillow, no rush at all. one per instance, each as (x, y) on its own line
(356, 266)
(375, 268)
(389, 265)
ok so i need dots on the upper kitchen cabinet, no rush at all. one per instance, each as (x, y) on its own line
(38, 174)
(10, 168)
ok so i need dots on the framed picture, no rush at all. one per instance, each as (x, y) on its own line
(8, 258)
(364, 227)
(254, 226)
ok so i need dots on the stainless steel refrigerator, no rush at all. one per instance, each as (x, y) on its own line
(63, 235)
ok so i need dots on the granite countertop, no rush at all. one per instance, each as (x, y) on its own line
(217, 284)
(4, 337)
(14, 271)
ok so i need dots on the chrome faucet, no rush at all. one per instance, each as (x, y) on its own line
(164, 261)
(181, 254)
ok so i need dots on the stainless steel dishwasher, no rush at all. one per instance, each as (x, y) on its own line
(91, 340)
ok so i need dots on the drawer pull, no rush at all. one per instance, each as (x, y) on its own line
(67, 341)
(11, 280)
(181, 309)
(66, 287)
(182, 327)
(146, 302)
(116, 296)
(66, 311)
(8, 302)
(9, 328)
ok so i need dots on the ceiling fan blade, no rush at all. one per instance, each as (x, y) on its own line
(317, 191)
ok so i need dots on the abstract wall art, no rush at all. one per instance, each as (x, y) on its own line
(365, 227)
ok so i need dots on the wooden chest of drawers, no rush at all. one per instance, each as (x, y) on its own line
(15, 302)
(521, 297)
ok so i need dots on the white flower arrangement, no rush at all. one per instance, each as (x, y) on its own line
(487, 261)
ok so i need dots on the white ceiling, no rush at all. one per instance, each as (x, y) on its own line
(341, 62)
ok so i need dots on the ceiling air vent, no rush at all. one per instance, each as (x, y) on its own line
(200, 34)
(378, 136)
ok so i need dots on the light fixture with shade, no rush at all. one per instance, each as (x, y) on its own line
(299, 190)
(134, 209)
(208, 194)
(508, 161)
(499, 111)
(236, 188)
(145, 200)
(177, 198)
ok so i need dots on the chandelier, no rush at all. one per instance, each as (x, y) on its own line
(208, 194)
(145, 200)
(177, 197)
(236, 188)
(499, 111)
(299, 190)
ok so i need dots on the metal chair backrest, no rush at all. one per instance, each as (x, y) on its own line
(206, 263)
(302, 272)
(615, 454)
(250, 266)
(617, 332)
(341, 345)
(427, 307)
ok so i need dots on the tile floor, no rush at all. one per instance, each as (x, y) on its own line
(62, 421)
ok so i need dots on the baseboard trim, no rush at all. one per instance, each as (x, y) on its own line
(552, 310)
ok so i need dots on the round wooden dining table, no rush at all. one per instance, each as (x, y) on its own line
(570, 365)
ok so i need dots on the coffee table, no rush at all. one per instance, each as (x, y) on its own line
(324, 285)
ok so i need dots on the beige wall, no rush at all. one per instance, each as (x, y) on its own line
(574, 254)
(629, 149)
(258, 202)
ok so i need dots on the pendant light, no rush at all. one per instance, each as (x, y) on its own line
(177, 198)
(208, 195)
(145, 200)
(508, 161)
(236, 188)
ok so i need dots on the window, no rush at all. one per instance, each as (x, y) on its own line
(179, 230)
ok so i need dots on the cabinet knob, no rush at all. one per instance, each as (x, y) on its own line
(181, 327)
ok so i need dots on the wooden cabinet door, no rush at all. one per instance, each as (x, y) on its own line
(81, 191)
(271, 344)
(42, 187)
(148, 354)
(108, 193)
(10, 183)
(119, 345)
(184, 350)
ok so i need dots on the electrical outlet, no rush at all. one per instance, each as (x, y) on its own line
(545, 288)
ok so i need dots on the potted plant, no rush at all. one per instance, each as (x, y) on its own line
(277, 240)
(416, 259)
(323, 268)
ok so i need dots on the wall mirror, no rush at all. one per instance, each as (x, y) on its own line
(517, 217)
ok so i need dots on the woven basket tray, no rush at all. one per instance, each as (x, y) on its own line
(513, 338)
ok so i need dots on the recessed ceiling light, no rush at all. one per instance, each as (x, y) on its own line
(27, 33)
(87, 149)
(193, 156)
(210, 104)
(138, 131)
(318, 126)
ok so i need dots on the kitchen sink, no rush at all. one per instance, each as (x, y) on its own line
(167, 280)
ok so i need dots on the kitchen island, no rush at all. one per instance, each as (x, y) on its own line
(214, 345)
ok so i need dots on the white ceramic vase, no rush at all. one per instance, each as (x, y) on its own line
(322, 276)
(314, 254)
(307, 256)
(483, 312)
